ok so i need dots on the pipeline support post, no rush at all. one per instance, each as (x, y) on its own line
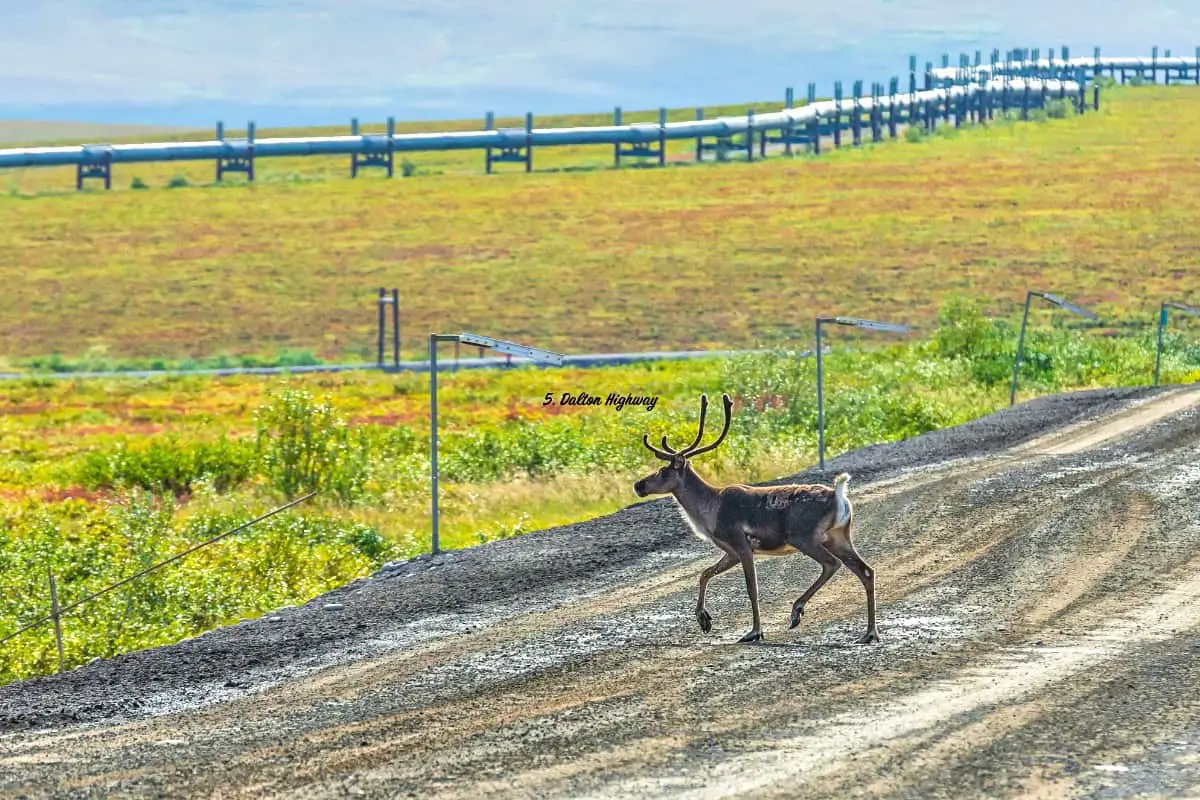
(837, 114)
(510, 153)
(240, 157)
(96, 165)
(643, 149)
(383, 153)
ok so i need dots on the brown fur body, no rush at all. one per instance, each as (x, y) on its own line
(745, 521)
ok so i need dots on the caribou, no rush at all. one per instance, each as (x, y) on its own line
(748, 521)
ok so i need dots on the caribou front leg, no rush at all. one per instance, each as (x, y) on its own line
(702, 616)
(747, 559)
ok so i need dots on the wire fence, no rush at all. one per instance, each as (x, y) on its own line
(57, 611)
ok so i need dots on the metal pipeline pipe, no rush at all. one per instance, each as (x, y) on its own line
(637, 133)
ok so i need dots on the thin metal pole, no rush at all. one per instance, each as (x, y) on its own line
(1162, 323)
(54, 613)
(820, 404)
(433, 437)
(396, 328)
(379, 359)
(1012, 393)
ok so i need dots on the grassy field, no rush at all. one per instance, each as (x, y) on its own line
(101, 478)
(1098, 207)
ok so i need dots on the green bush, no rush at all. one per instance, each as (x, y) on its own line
(306, 446)
(283, 560)
(1056, 108)
(166, 465)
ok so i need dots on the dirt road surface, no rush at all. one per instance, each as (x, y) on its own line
(1039, 582)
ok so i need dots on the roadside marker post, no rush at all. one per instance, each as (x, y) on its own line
(854, 322)
(1162, 323)
(1049, 298)
(500, 346)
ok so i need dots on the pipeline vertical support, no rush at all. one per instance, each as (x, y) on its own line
(856, 120)
(489, 124)
(749, 134)
(221, 139)
(837, 114)
(529, 141)
(662, 137)
(617, 146)
(789, 132)
(250, 151)
(893, 86)
(699, 139)
(354, 156)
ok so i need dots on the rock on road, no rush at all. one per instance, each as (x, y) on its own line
(1039, 601)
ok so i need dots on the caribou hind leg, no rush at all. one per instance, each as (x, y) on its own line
(829, 565)
(841, 544)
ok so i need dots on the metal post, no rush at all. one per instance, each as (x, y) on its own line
(820, 404)
(1162, 323)
(837, 114)
(489, 124)
(391, 151)
(382, 322)
(617, 146)
(749, 134)
(662, 137)
(250, 151)
(220, 159)
(529, 141)
(57, 619)
(1012, 394)
(354, 156)
(396, 328)
(433, 437)
(699, 140)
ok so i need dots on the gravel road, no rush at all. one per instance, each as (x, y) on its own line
(1039, 599)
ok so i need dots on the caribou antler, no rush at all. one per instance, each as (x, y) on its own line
(667, 453)
(691, 452)
(665, 456)
(699, 433)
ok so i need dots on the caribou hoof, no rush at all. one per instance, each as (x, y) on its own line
(870, 637)
(797, 613)
(705, 619)
(752, 636)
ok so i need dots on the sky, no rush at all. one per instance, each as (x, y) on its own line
(291, 62)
